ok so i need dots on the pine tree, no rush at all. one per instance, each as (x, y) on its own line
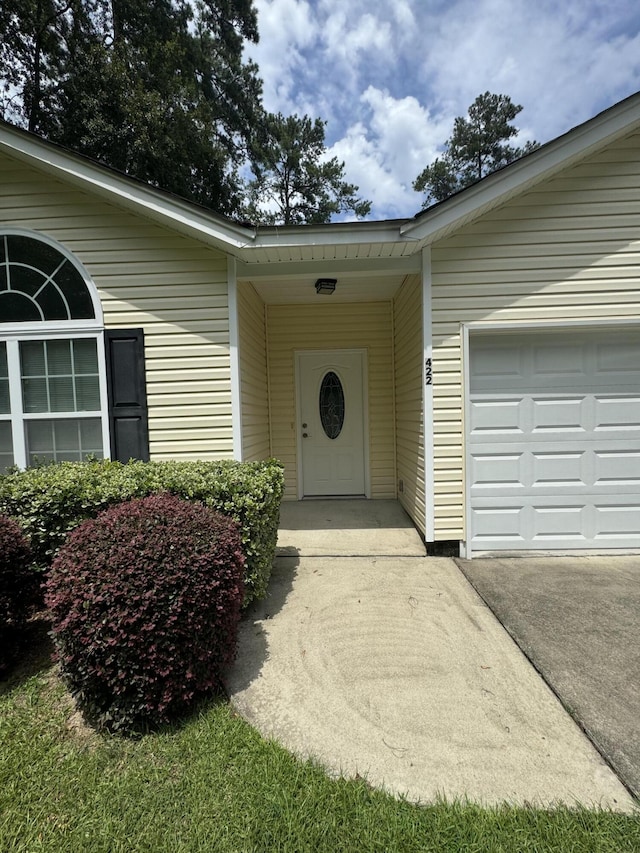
(477, 146)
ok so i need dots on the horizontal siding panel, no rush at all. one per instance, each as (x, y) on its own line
(149, 277)
(408, 352)
(254, 387)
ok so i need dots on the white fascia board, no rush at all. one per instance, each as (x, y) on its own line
(127, 192)
(331, 234)
(576, 144)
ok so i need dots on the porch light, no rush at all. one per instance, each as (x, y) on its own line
(326, 285)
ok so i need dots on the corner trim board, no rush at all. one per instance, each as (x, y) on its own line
(427, 399)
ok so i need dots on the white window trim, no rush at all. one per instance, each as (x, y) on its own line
(98, 322)
(13, 333)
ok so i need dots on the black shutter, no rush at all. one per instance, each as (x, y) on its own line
(127, 391)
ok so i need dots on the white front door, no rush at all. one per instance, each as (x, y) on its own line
(331, 422)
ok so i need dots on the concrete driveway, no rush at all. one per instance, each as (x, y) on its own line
(577, 619)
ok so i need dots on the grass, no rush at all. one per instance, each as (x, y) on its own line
(213, 784)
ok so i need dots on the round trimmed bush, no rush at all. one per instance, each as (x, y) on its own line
(145, 602)
(16, 588)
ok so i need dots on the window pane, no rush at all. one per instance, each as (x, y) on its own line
(59, 358)
(63, 440)
(26, 280)
(87, 394)
(34, 395)
(75, 291)
(6, 446)
(91, 437)
(32, 358)
(39, 439)
(52, 303)
(66, 435)
(85, 356)
(28, 250)
(16, 308)
(331, 404)
(61, 394)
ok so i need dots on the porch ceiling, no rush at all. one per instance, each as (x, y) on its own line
(362, 280)
(348, 289)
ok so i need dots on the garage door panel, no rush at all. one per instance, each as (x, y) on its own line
(615, 521)
(619, 468)
(596, 359)
(587, 414)
(527, 472)
(552, 466)
(496, 416)
(617, 413)
(555, 522)
(559, 415)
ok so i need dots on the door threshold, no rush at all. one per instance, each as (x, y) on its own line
(333, 498)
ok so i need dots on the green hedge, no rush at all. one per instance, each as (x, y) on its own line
(50, 501)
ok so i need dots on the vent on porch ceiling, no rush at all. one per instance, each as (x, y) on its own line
(326, 285)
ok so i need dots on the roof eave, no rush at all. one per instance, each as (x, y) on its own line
(164, 208)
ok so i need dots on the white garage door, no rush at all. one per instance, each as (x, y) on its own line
(554, 440)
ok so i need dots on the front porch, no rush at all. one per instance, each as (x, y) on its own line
(347, 528)
(284, 325)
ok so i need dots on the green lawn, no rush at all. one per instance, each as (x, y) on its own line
(213, 784)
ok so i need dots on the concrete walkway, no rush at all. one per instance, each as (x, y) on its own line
(392, 667)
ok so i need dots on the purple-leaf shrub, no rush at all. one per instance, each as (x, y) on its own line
(145, 602)
(16, 588)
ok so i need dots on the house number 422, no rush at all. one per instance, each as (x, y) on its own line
(428, 375)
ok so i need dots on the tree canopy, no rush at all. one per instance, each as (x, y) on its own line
(293, 180)
(159, 90)
(478, 145)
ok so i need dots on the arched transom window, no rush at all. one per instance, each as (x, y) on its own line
(52, 372)
(38, 282)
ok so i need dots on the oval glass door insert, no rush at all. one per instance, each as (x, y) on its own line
(331, 405)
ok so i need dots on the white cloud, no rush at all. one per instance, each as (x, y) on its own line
(389, 77)
(288, 29)
(384, 156)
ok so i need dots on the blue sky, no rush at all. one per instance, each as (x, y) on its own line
(389, 76)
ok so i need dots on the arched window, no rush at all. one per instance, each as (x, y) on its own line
(53, 396)
(39, 283)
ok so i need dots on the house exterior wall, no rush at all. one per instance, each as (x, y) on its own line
(254, 386)
(408, 349)
(567, 251)
(149, 277)
(324, 327)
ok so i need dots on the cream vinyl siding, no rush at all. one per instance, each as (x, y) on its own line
(569, 250)
(408, 347)
(254, 388)
(324, 327)
(173, 287)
